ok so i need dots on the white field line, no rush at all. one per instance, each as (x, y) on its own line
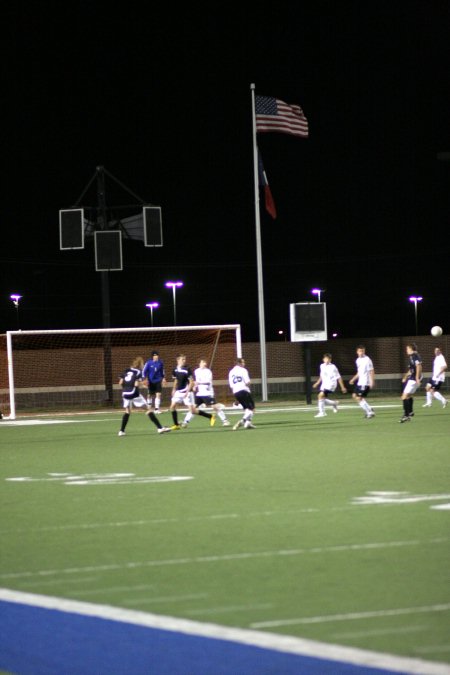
(229, 608)
(217, 516)
(46, 418)
(352, 616)
(281, 643)
(381, 631)
(250, 555)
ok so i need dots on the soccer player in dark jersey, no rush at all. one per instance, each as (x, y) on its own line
(131, 396)
(154, 373)
(411, 379)
(182, 392)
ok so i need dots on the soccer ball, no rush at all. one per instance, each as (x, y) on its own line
(436, 331)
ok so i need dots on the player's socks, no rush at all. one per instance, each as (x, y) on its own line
(125, 418)
(154, 419)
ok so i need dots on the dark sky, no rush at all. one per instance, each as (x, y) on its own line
(161, 98)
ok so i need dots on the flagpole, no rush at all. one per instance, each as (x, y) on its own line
(262, 329)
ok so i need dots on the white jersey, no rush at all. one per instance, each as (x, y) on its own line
(203, 380)
(438, 363)
(239, 379)
(330, 375)
(364, 367)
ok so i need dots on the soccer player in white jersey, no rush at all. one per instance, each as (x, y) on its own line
(329, 378)
(239, 381)
(204, 394)
(365, 380)
(436, 380)
(182, 393)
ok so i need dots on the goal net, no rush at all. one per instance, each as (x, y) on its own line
(63, 370)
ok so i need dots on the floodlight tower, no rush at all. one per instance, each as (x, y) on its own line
(415, 299)
(15, 297)
(174, 285)
(152, 306)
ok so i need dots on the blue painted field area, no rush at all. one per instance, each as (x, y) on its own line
(45, 641)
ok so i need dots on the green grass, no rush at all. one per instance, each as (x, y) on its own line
(268, 533)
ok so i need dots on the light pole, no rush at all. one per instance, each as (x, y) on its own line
(15, 298)
(317, 291)
(174, 285)
(152, 306)
(415, 299)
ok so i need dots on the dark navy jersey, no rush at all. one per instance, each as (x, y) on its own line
(413, 361)
(129, 379)
(183, 375)
(154, 371)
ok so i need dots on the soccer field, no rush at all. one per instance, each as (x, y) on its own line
(333, 530)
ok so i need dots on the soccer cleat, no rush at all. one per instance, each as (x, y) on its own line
(411, 414)
(370, 415)
(212, 420)
(427, 405)
(405, 418)
(335, 407)
(121, 433)
(175, 427)
(237, 425)
(445, 404)
(225, 423)
(164, 430)
(183, 425)
(321, 414)
(249, 425)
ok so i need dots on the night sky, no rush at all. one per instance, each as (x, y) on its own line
(161, 98)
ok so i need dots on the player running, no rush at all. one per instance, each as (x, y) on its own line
(239, 381)
(329, 379)
(365, 380)
(204, 394)
(182, 393)
(131, 396)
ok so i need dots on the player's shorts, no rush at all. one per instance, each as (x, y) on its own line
(327, 391)
(155, 387)
(137, 401)
(245, 399)
(363, 392)
(183, 396)
(204, 400)
(410, 387)
(434, 385)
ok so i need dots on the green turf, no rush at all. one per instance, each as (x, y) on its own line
(268, 529)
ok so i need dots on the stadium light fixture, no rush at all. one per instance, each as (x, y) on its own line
(174, 285)
(317, 291)
(15, 297)
(415, 299)
(152, 306)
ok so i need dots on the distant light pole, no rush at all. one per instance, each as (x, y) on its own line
(415, 299)
(15, 298)
(174, 285)
(317, 291)
(152, 306)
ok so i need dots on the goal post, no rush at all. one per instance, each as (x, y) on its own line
(79, 369)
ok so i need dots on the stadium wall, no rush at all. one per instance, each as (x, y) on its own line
(286, 361)
(285, 369)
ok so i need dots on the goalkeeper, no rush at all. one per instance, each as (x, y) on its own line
(154, 373)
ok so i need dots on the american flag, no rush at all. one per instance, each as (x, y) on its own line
(275, 115)
(264, 183)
